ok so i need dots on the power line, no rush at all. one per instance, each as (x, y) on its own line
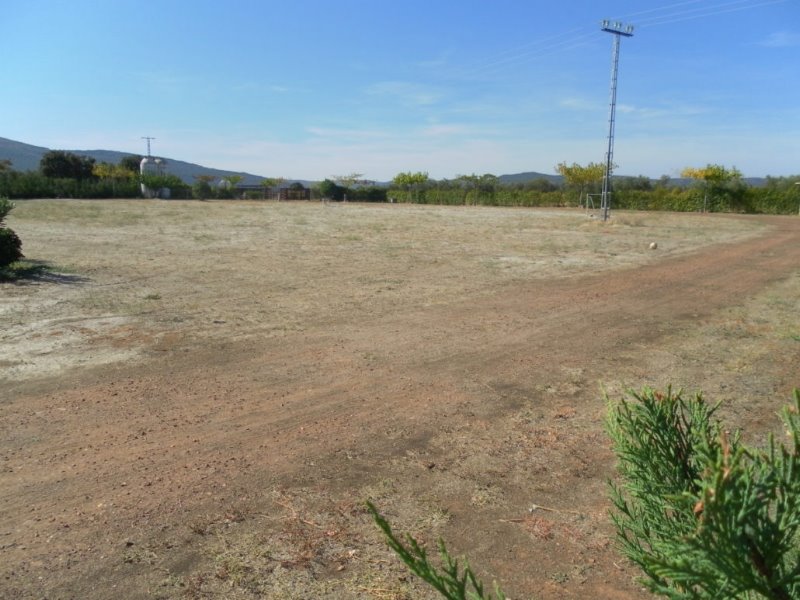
(652, 10)
(703, 12)
(532, 50)
(525, 56)
(575, 38)
(532, 44)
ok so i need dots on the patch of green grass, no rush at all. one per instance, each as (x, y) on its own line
(32, 270)
(58, 210)
(203, 237)
(22, 270)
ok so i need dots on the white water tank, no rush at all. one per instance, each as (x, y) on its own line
(153, 166)
(148, 166)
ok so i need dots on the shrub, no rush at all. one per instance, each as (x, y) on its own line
(703, 515)
(5, 207)
(10, 244)
(10, 247)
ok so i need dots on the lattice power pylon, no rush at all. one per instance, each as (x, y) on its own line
(618, 30)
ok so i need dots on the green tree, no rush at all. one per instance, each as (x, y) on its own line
(664, 182)
(113, 173)
(640, 183)
(479, 186)
(10, 244)
(59, 164)
(131, 163)
(202, 189)
(541, 185)
(411, 182)
(328, 190)
(271, 182)
(350, 180)
(713, 179)
(581, 178)
(233, 180)
(229, 183)
(158, 182)
(5, 165)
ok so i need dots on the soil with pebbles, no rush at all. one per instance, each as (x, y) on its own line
(204, 401)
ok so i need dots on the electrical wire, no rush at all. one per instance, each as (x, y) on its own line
(652, 10)
(534, 53)
(575, 38)
(695, 13)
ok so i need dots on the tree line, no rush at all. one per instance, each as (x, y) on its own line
(712, 188)
(64, 174)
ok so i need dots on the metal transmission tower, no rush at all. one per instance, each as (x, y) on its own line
(618, 29)
(148, 143)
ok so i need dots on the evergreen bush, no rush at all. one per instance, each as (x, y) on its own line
(10, 244)
(701, 513)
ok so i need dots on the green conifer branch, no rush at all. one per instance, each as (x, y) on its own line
(703, 515)
(450, 581)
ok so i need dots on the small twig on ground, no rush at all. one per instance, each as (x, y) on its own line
(295, 516)
(535, 507)
(555, 510)
(380, 593)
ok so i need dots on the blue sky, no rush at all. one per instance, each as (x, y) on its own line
(314, 88)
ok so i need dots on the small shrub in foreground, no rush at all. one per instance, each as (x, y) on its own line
(703, 515)
(10, 244)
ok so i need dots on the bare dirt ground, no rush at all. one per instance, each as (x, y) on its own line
(197, 398)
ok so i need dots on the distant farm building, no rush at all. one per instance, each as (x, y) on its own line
(296, 191)
(252, 191)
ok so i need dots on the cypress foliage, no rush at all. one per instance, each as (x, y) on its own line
(10, 244)
(702, 514)
(452, 582)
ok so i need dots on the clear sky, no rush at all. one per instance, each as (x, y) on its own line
(313, 88)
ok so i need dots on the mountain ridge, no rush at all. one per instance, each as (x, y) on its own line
(26, 157)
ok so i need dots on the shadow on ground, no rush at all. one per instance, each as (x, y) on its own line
(37, 271)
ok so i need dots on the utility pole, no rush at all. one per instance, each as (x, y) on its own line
(617, 29)
(144, 137)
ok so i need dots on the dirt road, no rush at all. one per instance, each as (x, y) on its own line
(239, 469)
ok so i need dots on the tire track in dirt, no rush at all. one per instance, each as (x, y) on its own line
(100, 455)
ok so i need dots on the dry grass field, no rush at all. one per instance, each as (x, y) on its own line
(197, 397)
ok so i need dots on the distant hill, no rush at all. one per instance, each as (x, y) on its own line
(25, 157)
(530, 176)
